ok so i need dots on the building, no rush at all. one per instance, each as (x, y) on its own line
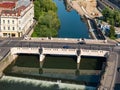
(16, 17)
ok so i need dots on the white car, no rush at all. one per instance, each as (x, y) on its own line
(26, 37)
(118, 44)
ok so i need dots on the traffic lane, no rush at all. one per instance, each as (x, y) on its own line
(106, 44)
(57, 44)
(67, 43)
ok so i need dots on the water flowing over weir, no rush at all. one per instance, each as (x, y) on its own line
(15, 83)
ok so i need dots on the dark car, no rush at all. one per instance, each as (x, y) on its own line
(66, 47)
(118, 69)
(81, 42)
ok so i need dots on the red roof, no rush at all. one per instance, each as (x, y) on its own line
(7, 5)
(14, 12)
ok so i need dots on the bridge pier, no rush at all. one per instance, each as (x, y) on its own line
(41, 58)
(77, 72)
(78, 58)
(78, 61)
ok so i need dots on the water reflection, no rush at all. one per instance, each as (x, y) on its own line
(55, 68)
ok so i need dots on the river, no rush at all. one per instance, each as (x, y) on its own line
(72, 25)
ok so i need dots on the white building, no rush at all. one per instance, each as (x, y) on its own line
(16, 17)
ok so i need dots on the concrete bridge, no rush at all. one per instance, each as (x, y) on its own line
(59, 51)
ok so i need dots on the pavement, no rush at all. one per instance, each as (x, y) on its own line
(108, 79)
(3, 52)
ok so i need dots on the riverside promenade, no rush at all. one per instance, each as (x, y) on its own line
(82, 8)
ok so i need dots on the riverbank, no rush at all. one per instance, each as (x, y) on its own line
(47, 19)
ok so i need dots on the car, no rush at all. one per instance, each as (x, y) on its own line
(118, 44)
(81, 42)
(66, 47)
(118, 69)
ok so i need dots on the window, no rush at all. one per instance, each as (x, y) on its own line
(3, 21)
(12, 21)
(4, 28)
(8, 21)
(8, 28)
(13, 28)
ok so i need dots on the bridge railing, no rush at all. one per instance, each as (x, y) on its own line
(68, 40)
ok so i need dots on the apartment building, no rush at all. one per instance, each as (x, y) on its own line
(16, 17)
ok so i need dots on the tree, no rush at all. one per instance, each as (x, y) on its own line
(112, 32)
(105, 13)
(47, 18)
(111, 16)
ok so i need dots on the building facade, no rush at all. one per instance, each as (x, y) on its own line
(16, 17)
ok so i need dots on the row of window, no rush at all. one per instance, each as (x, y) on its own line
(8, 21)
(8, 28)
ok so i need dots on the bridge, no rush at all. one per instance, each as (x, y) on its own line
(59, 51)
(55, 46)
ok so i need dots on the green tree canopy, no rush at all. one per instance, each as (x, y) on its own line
(112, 32)
(46, 15)
(111, 16)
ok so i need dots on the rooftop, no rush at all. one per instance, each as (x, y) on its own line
(15, 12)
(7, 5)
(13, 7)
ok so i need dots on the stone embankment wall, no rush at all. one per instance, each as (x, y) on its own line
(7, 60)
